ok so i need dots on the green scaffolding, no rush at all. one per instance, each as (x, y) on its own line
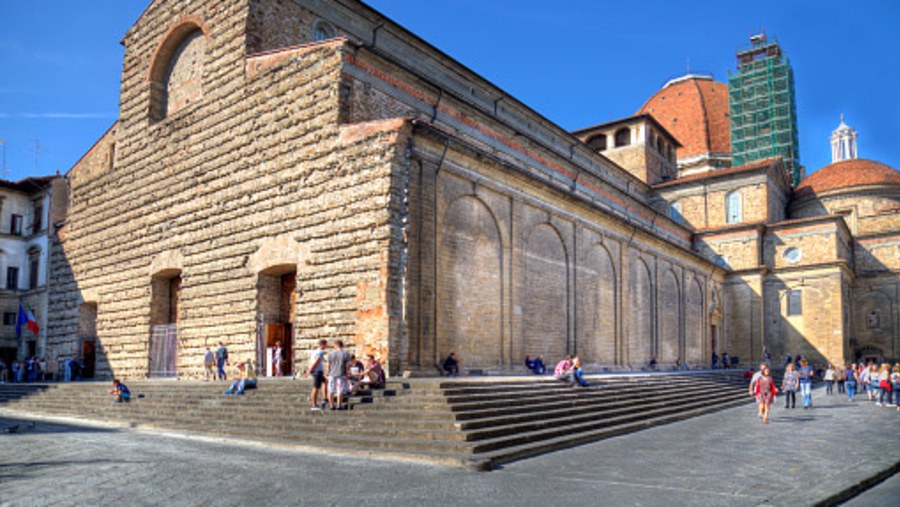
(763, 108)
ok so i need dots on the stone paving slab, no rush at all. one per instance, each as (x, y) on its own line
(724, 458)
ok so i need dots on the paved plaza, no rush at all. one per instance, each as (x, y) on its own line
(725, 458)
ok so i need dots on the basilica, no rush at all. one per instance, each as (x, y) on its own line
(291, 170)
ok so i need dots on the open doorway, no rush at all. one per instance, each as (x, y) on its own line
(87, 334)
(277, 297)
(165, 294)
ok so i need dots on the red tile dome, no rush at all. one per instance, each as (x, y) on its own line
(695, 110)
(847, 174)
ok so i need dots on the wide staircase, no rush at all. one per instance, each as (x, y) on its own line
(477, 423)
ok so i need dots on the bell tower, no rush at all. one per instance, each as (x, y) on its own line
(843, 143)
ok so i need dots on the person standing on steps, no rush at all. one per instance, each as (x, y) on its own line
(221, 360)
(277, 359)
(726, 360)
(806, 378)
(338, 363)
(789, 386)
(765, 392)
(317, 372)
(209, 361)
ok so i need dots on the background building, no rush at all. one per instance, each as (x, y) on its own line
(26, 209)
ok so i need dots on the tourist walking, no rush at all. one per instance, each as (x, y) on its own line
(806, 379)
(829, 379)
(839, 376)
(246, 380)
(209, 362)
(336, 372)
(789, 386)
(317, 371)
(895, 385)
(3, 373)
(765, 392)
(754, 379)
(851, 379)
(221, 360)
(884, 385)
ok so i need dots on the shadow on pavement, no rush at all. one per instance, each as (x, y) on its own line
(13, 426)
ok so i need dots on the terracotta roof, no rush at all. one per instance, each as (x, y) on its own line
(847, 174)
(748, 167)
(695, 111)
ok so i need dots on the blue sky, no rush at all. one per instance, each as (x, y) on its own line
(578, 62)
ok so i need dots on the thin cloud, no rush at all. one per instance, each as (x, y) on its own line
(62, 116)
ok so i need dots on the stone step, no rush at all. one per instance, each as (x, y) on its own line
(468, 422)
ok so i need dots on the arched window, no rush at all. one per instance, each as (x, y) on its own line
(623, 137)
(323, 30)
(733, 208)
(176, 75)
(598, 142)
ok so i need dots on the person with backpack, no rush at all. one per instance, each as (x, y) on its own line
(850, 380)
(221, 360)
(839, 376)
(765, 392)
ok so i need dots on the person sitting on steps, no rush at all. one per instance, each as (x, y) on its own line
(372, 375)
(451, 365)
(561, 372)
(536, 365)
(246, 380)
(576, 377)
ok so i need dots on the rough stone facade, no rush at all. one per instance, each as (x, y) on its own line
(393, 184)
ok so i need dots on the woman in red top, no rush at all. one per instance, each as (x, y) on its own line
(765, 392)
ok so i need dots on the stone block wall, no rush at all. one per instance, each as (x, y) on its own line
(261, 157)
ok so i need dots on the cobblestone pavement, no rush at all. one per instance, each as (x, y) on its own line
(724, 458)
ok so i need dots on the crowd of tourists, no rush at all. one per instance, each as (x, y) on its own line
(337, 373)
(32, 369)
(880, 383)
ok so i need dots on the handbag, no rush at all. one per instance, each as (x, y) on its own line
(884, 384)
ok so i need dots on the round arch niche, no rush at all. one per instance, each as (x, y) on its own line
(177, 69)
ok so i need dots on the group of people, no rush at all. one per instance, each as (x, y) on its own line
(32, 369)
(569, 370)
(338, 373)
(880, 383)
(214, 363)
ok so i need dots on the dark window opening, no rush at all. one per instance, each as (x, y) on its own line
(38, 221)
(597, 143)
(9, 319)
(623, 137)
(15, 225)
(795, 302)
(33, 273)
(12, 278)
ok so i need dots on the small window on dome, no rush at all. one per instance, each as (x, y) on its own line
(323, 30)
(793, 255)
